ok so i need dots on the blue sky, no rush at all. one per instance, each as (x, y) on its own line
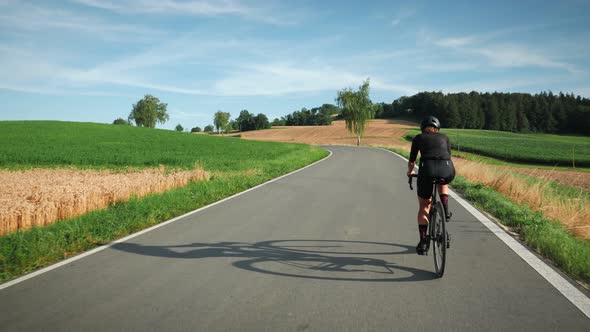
(90, 60)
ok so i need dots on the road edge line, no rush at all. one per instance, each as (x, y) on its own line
(162, 224)
(569, 291)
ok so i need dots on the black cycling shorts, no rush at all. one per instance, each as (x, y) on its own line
(429, 169)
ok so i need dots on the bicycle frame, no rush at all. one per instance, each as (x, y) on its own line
(437, 233)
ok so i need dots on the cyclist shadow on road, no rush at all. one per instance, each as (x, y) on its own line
(311, 259)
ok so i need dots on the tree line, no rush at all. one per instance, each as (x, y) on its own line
(149, 111)
(317, 116)
(515, 112)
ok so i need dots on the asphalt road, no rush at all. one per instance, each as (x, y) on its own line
(330, 248)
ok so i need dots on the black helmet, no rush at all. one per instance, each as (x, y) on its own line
(430, 121)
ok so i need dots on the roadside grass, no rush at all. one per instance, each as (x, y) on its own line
(545, 149)
(547, 237)
(234, 165)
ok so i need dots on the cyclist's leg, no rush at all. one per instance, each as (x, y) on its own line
(424, 200)
(443, 193)
(423, 210)
(447, 171)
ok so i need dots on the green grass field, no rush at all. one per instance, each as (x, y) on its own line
(544, 149)
(27, 144)
(56, 144)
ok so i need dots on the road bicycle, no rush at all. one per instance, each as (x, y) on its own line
(437, 231)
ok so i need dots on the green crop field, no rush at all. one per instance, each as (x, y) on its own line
(552, 150)
(30, 144)
(26, 144)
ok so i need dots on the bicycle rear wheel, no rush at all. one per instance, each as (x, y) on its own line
(439, 239)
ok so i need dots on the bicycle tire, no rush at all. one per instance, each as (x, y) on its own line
(439, 239)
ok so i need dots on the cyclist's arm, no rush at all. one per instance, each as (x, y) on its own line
(411, 167)
(413, 155)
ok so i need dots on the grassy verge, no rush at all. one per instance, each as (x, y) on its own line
(543, 149)
(25, 251)
(547, 237)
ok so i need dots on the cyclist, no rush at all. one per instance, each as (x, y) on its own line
(435, 161)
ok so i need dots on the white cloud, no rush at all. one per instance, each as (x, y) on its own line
(508, 55)
(282, 79)
(33, 19)
(170, 6)
(455, 42)
(403, 14)
(449, 66)
(503, 54)
(265, 14)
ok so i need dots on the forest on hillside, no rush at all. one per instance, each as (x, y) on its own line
(514, 112)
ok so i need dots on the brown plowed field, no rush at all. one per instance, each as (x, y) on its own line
(378, 133)
(43, 196)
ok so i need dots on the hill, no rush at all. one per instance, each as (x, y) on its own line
(392, 134)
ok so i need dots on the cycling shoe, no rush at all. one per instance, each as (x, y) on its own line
(422, 247)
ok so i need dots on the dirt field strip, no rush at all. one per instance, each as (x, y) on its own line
(378, 133)
(43, 196)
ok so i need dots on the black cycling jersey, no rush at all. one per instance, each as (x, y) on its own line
(435, 160)
(432, 146)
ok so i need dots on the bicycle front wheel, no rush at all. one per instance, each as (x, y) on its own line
(439, 239)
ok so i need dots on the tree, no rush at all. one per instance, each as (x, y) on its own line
(330, 109)
(196, 130)
(245, 121)
(378, 110)
(179, 128)
(356, 109)
(233, 125)
(149, 110)
(208, 128)
(278, 122)
(121, 121)
(261, 122)
(221, 120)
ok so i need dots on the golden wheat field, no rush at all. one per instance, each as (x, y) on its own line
(42, 196)
(573, 213)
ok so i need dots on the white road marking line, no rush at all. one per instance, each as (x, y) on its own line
(106, 246)
(574, 295)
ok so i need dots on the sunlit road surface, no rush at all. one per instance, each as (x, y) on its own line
(330, 248)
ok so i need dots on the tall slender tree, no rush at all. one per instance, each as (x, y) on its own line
(221, 119)
(356, 109)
